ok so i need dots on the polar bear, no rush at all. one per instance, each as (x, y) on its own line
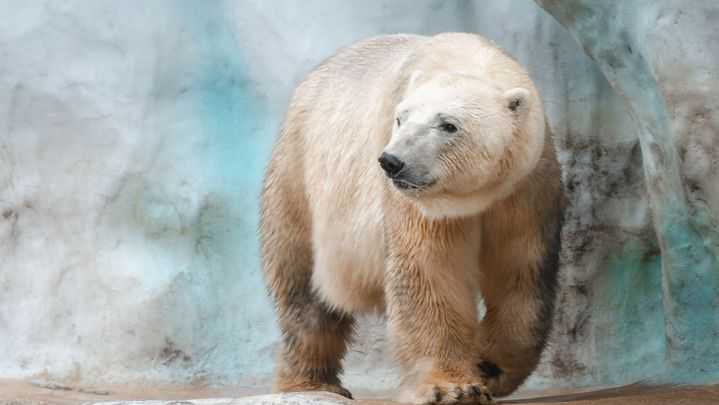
(414, 176)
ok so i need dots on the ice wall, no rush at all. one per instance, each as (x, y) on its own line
(133, 139)
(131, 149)
(661, 56)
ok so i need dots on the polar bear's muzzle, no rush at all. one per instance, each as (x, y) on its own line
(404, 176)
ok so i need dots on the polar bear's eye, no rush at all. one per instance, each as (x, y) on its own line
(398, 122)
(447, 127)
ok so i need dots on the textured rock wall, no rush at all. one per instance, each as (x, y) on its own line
(132, 144)
(661, 57)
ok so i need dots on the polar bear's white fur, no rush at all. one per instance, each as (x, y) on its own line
(464, 200)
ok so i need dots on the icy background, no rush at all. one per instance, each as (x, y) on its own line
(133, 138)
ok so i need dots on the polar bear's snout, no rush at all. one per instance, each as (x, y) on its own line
(391, 164)
(404, 176)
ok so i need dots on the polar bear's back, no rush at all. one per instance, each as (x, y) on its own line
(345, 106)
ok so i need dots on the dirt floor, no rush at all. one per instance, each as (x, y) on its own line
(46, 393)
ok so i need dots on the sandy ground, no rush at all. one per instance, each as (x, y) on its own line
(46, 393)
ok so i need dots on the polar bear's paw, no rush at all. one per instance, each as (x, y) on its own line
(447, 389)
(313, 386)
(450, 394)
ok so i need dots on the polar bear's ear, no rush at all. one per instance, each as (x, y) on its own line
(414, 79)
(517, 101)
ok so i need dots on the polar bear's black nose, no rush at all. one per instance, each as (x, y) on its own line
(390, 164)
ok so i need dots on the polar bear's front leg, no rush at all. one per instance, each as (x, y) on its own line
(432, 312)
(519, 288)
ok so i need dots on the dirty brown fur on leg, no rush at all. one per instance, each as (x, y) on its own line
(519, 289)
(314, 337)
(314, 342)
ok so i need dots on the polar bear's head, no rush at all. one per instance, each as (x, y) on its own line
(459, 143)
